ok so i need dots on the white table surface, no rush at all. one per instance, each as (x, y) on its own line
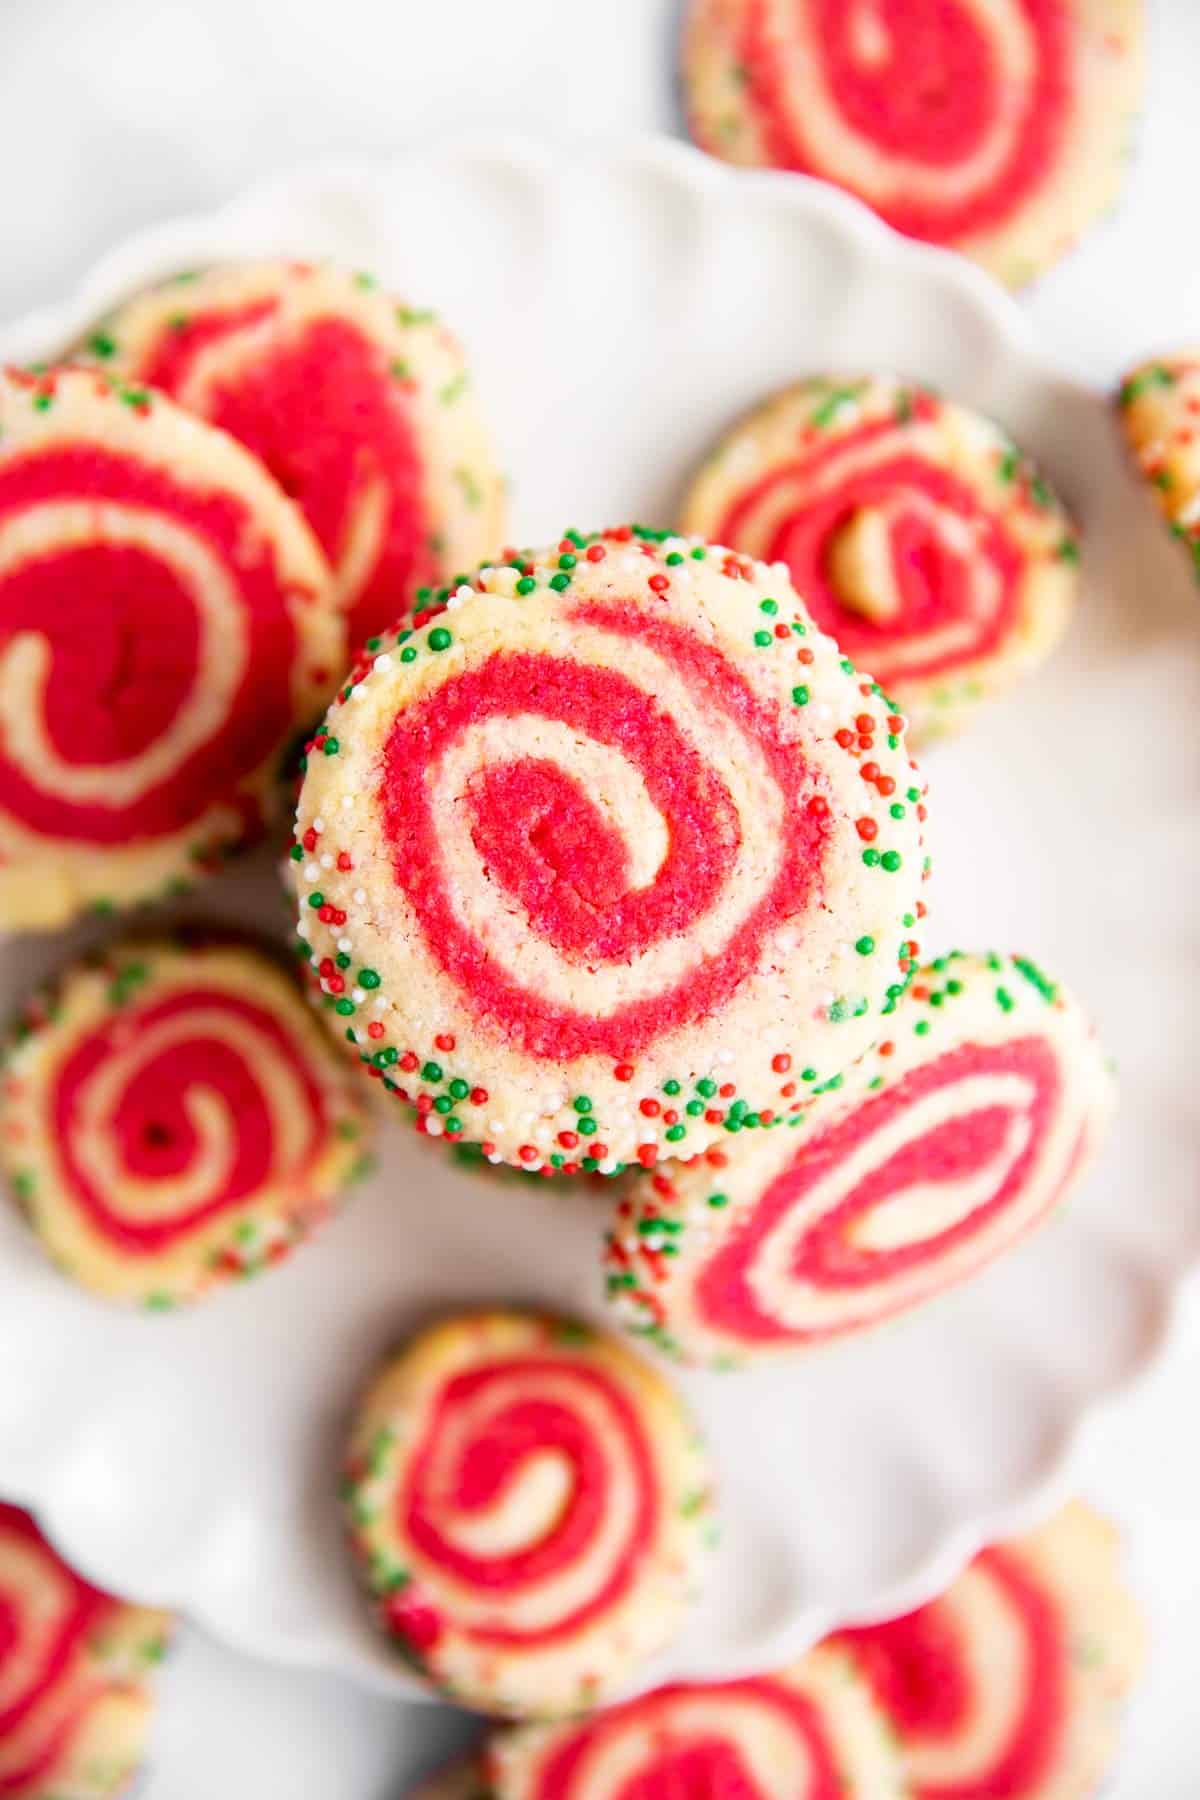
(116, 113)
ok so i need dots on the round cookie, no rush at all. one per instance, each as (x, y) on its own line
(1009, 1685)
(583, 862)
(74, 1706)
(809, 1732)
(530, 1507)
(360, 407)
(1159, 405)
(166, 627)
(916, 533)
(172, 1115)
(950, 1141)
(1000, 131)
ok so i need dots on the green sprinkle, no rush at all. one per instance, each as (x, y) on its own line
(526, 584)
(921, 1027)
(443, 1103)
(1045, 987)
(896, 810)
(718, 1200)
(43, 402)
(331, 746)
(706, 1086)
(1157, 375)
(297, 852)
(800, 695)
(865, 945)
(102, 343)
(674, 559)
(1004, 1000)
(431, 1071)
(870, 857)
(891, 861)
(408, 654)
(459, 1088)
(763, 639)
(368, 978)
(1068, 551)
(316, 900)
(440, 638)
(588, 1126)
(768, 606)
(582, 1104)
(453, 1124)
(345, 1008)
(672, 1086)
(675, 1132)
(560, 582)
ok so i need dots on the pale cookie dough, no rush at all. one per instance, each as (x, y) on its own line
(1159, 405)
(166, 628)
(914, 530)
(359, 405)
(530, 1508)
(172, 1116)
(1011, 1684)
(960, 1133)
(582, 863)
(1000, 130)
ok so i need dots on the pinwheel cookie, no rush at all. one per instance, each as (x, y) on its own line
(1000, 130)
(952, 1139)
(915, 532)
(1008, 1687)
(1160, 411)
(172, 1115)
(166, 627)
(530, 1507)
(75, 1708)
(809, 1732)
(582, 863)
(359, 406)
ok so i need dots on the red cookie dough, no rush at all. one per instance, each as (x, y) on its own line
(999, 130)
(166, 628)
(915, 532)
(582, 862)
(75, 1707)
(809, 1732)
(360, 407)
(172, 1115)
(1008, 1687)
(530, 1507)
(955, 1137)
(1159, 405)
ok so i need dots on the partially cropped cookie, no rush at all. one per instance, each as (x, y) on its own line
(582, 862)
(914, 531)
(960, 1133)
(531, 1509)
(809, 1732)
(1009, 1686)
(1000, 131)
(166, 629)
(75, 1705)
(1159, 405)
(360, 406)
(172, 1115)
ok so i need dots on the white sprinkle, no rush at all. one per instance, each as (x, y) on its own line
(359, 692)
(359, 896)
(724, 1057)
(465, 592)
(327, 861)
(383, 661)
(347, 802)
(495, 1157)
(495, 1127)
(343, 945)
(608, 1166)
(433, 1125)
(312, 871)
(302, 928)
(357, 995)
(318, 826)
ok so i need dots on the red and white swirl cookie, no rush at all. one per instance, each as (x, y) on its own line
(809, 1732)
(582, 861)
(172, 1115)
(1008, 1687)
(915, 532)
(1159, 403)
(166, 627)
(359, 406)
(996, 126)
(75, 1707)
(951, 1140)
(530, 1506)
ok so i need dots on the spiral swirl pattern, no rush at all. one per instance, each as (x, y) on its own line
(997, 127)
(361, 408)
(165, 626)
(73, 1715)
(529, 1504)
(987, 1689)
(962, 1132)
(808, 1732)
(604, 855)
(174, 1117)
(920, 539)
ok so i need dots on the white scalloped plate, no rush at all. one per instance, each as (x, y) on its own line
(622, 304)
